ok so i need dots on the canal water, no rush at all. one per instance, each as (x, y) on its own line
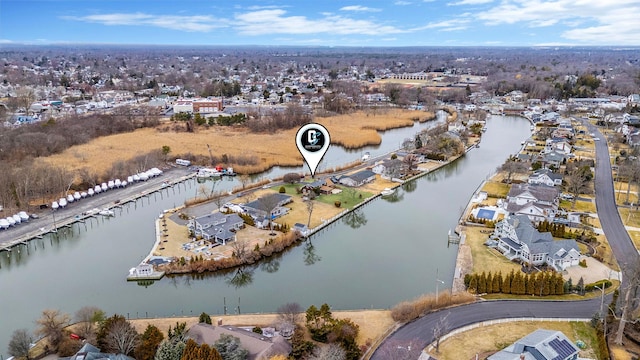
(388, 251)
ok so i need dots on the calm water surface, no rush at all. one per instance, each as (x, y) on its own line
(388, 251)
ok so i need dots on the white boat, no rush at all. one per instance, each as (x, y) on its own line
(90, 192)
(117, 183)
(206, 173)
(124, 183)
(11, 220)
(155, 171)
(107, 212)
(136, 177)
(111, 184)
(77, 196)
(23, 216)
(143, 176)
(104, 187)
(4, 224)
(366, 156)
(17, 218)
(97, 189)
(55, 205)
(83, 194)
(387, 191)
(62, 202)
(70, 198)
(129, 179)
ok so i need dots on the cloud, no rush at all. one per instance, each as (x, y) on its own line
(267, 22)
(470, 2)
(195, 23)
(402, 3)
(612, 22)
(457, 24)
(359, 8)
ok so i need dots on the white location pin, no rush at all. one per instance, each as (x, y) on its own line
(313, 142)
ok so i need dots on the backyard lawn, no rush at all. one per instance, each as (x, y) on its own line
(484, 258)
(630, 217)
(580, 206)
(496, 189)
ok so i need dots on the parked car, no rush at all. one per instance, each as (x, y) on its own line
(566, 196)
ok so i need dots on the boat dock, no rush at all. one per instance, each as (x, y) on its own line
(69, 219)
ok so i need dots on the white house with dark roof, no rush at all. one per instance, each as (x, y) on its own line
(358, 179)
(545, 177)
(517, 238)
(538, 202)
(258, 209)
(539, 345)
(216, 227)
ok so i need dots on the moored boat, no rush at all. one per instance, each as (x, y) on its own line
(387, 191)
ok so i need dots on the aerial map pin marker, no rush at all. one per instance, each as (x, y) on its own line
(313, 142)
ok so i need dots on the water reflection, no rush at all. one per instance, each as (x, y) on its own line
(310, 256)
(242, 277)
(355, 219)
(410, 186)
(397, 196)
(270, 265)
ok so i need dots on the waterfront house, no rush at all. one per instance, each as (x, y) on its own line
(388, 167)
(88, 351)
(518, 239)
(216, 227)
(538, 202)
(358, 179)
(259, 346)
(545, 177)
(259, 208)
(539, 345)
(559, 145)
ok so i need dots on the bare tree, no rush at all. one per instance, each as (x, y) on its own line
(410, 161)
(577, 183)
(289, 313)
(51, 324)
(20, 343)
(268, 203)
(329, 352)
(440, 329)
(239, 248)
(630, 302)
(513, 166)
(86, 318)
(121, 337)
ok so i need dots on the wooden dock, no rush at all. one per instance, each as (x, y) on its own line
(68, 221)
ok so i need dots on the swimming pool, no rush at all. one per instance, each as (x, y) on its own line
(486, 214)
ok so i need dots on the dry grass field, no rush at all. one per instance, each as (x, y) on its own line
(489, 339)
(353, 130)
(373, 323)
(496, 189)
(484, 258)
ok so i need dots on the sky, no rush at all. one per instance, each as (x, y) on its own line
(380, 23)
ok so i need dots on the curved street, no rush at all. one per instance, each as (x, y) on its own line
(420, 333)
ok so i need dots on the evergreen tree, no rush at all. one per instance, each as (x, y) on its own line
(149, 342)
(497, 282)
(506, 283)
(559, 285)
(482, 283)
(205, 318)
(489, 283)
(580, 286)
(530, 284)
(517, 285)
(549, 283)
(473, 284)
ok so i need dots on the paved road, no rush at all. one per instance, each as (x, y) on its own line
(97, 201)
(420, 332)
(617, 236)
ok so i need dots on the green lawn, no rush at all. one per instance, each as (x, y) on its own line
(484, 258)
(347, 200)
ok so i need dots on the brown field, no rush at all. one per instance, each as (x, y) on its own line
(353, 130)
(496, 189)
(484, 258)
(373, 323)
(489, 339)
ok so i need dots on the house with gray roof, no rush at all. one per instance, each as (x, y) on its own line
(545, 177)
(538, 202)
(358, 179)
(539, 345)
(518, 239)
(90, 352)
(258, 209)
(216, 227)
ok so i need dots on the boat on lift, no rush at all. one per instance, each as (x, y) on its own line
(107, 212)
